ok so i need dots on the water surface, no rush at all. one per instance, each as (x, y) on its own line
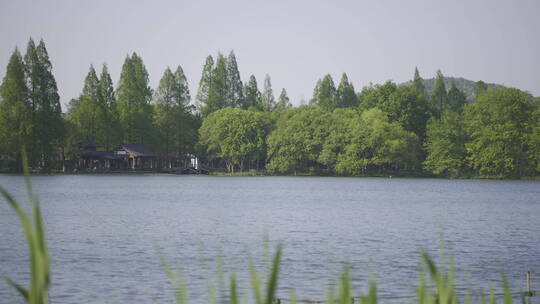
(104, 231)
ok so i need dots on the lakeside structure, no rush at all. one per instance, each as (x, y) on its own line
(128, 158)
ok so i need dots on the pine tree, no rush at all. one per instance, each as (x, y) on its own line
(345, 95)
(15, 111)
(234, 83)
(204, 83)
(89, 115)
(267, 98)
(252, 98)
(283, 101)
(418, 82)
(134, 95)
(439, 96)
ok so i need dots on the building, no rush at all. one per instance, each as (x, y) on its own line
(137, 157)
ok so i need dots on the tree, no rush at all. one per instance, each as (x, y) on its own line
(325, 93)
(267, 97)
(456, 99)
(283, 101)
(175, 124)
(47, 123)
(446, 139)
(345, 95)
(374, 141)
(89, 116)
(404, 104)
(165, 112)
(234, 83)
(296, 144)
(234, 135)
(500, 122)
(218, 90)
(439, 95)
(252, 97)
(133, 101)
(15, 111)
(418, 82)
(204, 83)
(112, 129)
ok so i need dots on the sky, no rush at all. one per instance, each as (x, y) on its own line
(295, 42)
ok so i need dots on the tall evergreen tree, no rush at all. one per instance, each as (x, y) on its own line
(107, 100)
(166, 110)
(283, 101)
(218, 91)
(182, 97)
(47, 122)
(234, 83)
(204, 83)
(456, 99)
(134, 95)
(345, 95)
(89, 116)
(418, 82)
(439, 95)
(252, 98)
(325, 93)
(267, 97)
(15, 111)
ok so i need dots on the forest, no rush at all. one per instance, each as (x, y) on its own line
(418, 128)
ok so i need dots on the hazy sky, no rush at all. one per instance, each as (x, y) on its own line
(296, 42)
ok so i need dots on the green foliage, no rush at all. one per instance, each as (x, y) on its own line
(439, 96)
(404, 104)
(418, 82)
(375, 141)
(283, 101)
(234, 83)
(15, 111)
(218, 90)
(47, 124)
(235, 135)
(446, 139)
(298, 140)
(133, 101)
(456, 99)
(324, 94)
(175, 125)
(252, 95)
(501, 124)
(345, 94)
(267, 97)
(204, 83)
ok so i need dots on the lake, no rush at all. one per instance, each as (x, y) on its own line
(106, 232)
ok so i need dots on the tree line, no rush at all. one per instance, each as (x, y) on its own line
(383, 129)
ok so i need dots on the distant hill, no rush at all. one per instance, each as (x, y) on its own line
(466, 86)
